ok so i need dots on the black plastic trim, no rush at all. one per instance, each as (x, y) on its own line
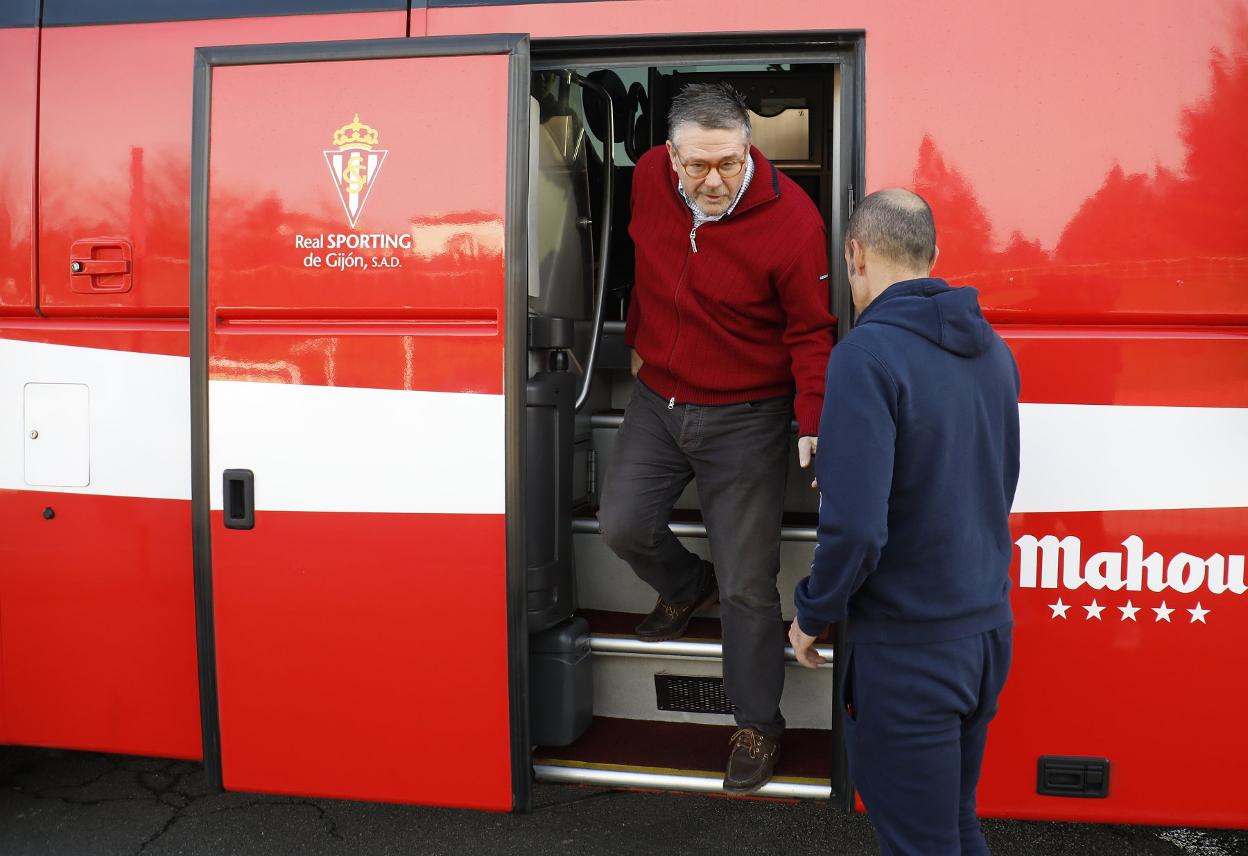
(201, 531)
(73, 13)
(238, 496)
(842, 786)
(692, 694)
(828, 46)
(515, 368)
(851, 168)
(515, 383)
(1073, 776)
(19, 13)
(853, 163)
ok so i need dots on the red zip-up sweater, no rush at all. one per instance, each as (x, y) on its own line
(739, 310)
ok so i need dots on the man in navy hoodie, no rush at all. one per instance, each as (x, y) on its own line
(917, 466)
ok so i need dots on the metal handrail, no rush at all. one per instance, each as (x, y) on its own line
(632, 646)
(604, 240)
(609, 778)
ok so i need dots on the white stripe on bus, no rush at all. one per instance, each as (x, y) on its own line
(317, 448)
(1085, 457)
(328, 448)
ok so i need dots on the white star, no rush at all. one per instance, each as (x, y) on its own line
(1129, 611)
(1094, 611)
(1163, 612)
(1059, 609)
(1198, 614)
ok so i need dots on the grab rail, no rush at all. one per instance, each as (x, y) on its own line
(604, 241)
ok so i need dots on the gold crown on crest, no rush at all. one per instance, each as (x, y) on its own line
(355, 134)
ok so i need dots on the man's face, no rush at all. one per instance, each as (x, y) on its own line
(699, 154)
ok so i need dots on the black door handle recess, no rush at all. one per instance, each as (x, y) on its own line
(238, 494)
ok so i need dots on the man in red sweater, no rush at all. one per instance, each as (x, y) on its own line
(731, 332)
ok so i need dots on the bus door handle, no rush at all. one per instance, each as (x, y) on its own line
(101, 266)
(238, 492)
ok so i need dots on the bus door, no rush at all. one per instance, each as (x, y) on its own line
(357, 254)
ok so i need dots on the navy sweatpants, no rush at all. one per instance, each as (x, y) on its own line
(916, 720)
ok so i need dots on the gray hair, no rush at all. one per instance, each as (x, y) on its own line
(897, 224)
(711, 106)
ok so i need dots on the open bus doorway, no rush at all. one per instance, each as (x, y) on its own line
(606, 707)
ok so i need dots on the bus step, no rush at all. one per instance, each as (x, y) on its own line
(796, 526)
(611, 633)
(604, 581)
(677, 756)
(681, 680)
(611, 419)
(706, 783)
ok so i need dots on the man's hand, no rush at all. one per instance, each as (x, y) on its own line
(806, 448)
(804, 647)
(635, 362)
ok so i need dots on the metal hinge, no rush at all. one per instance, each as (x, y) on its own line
(851, 200)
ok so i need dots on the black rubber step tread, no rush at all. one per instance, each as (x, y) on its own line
(612, 418)
(605, 622)
(687, 523)
(805, 753)
(794, 519)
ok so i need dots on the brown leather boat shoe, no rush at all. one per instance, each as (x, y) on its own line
(670, 620)
(751, 762)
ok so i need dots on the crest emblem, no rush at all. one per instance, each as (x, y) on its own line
(355, 165)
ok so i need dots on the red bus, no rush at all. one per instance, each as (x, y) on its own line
(311, 359)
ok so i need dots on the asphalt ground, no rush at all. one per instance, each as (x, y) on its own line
(85, 804)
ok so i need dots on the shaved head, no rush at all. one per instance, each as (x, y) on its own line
(897, 225)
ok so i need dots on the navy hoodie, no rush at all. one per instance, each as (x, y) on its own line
(917, 466)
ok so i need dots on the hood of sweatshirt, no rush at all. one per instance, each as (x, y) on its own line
(948, 317)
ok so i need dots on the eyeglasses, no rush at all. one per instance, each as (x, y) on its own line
(727, 168)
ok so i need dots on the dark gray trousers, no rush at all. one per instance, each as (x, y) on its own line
(739, 455)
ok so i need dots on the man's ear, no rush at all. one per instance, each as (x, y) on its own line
(857, 256)
(671, 154)
(935, 256)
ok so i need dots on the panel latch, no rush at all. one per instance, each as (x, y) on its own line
(100, 266)
(1065, 776)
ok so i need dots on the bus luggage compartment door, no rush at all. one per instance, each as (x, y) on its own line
(357, 239)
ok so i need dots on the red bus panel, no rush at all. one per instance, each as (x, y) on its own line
(1076, 155)
(113, 165)
(19, 63)
(97, 635)
(356, 304)
(1130, 600)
